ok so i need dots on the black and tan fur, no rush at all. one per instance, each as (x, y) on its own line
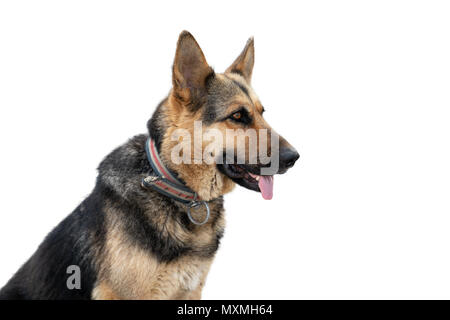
(135, 243)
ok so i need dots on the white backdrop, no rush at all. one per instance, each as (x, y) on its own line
(360, 88)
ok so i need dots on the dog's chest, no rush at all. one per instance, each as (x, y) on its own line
(134, 273)
(186, 274)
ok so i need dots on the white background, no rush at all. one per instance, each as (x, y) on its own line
(360, 88)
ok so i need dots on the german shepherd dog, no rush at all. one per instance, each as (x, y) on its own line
(151, 226)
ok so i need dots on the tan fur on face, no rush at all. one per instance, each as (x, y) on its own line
(254, 100)
(203, 178)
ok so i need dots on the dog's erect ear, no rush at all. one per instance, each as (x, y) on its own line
(190, 68)
(243, 64)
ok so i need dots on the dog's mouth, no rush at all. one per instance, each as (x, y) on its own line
(245, 175)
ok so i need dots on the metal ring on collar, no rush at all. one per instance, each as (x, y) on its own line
(194, 204)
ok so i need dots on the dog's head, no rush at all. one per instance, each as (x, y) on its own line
(213, 131)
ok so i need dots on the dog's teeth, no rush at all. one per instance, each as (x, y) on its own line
(254, 176)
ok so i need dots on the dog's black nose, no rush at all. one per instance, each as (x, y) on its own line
(288, 157)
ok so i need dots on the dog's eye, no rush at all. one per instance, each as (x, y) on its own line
(241, 116)
(237, 115)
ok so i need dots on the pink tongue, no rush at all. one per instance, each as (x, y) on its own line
(266, 186)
